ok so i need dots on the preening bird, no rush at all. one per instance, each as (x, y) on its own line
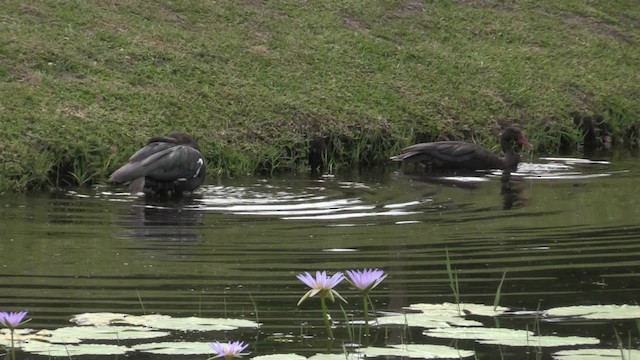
(171, 164)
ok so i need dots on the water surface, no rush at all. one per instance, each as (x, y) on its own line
(565, 232)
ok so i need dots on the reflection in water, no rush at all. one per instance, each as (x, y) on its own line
(168, 221)
(512, 190)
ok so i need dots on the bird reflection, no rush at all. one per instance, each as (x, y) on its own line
(175, 221)
(512, 191)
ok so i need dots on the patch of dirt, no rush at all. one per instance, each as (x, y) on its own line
(597, 27)
(31, 11)
(412, 6)
(505, 5)
(352, 23)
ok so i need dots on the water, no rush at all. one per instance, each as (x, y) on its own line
(565, 232)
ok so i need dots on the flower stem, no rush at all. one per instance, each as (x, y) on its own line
(325, 316)
(365, 302)
(13, 348)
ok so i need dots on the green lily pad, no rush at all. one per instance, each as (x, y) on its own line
(68, 350)
(279, 357)
(335, 357)
(597, 354)
(509, 337)
(19, 336)
(165, 322)
(175, 348)
(430, 320)
(420, 351)
(452, 309)
(599, 312)
(441, 315)
(75, 334)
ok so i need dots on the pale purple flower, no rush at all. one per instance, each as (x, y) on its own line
(229, 350)
(366, 279)
(12, 320)
(321, 284)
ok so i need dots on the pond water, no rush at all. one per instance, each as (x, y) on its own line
(564, 234)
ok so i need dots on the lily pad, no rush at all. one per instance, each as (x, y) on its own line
(175, 348)
(165, 322)
(19, 336)
(75, 334)
(431, 320)
(336, 357)
(599, 312)
(280, 357)
(421, 351)
(465, 308)
(597, 354)
(509, 337)
(68, 350)
(441, 315)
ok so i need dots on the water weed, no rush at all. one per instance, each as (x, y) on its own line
(496, 300)
(453, 280)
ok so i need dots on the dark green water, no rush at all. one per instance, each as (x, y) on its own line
(564, 234)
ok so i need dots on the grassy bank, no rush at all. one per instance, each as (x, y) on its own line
(84, 83)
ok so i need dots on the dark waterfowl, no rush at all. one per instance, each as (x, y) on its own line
(466, 156)
(169, 164)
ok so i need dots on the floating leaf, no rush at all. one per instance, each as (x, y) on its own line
(431, 320)
(165, 322)
(597, 354)
(98, 319)
(280, 357)
(509, 337)
(449, 308)
(417, 351)
(68, 350)
(175, 348)
(600, 312)
(20, 335)
(72, 333)
(441, 315)
(336, 357)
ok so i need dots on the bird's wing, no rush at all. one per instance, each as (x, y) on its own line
(161, 161)
(447, 151)
(176, 163)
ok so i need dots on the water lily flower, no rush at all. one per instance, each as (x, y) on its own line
(228, 350)
(321, 284)
(12, 320)
(366, 279)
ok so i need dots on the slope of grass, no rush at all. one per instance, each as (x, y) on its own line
(84, 83)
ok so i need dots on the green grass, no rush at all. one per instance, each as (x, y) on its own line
(84, 83)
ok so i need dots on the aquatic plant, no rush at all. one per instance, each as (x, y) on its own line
(12, 320)
(323, 285)
(453, 279)
(496, 300)
(230, 350)
(365, 280)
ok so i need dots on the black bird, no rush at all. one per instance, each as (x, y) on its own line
(466, 156)
(169, 164)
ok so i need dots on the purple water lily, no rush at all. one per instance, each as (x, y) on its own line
(12, 320)
(366, 279)
(321, 284)
(229, 350)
